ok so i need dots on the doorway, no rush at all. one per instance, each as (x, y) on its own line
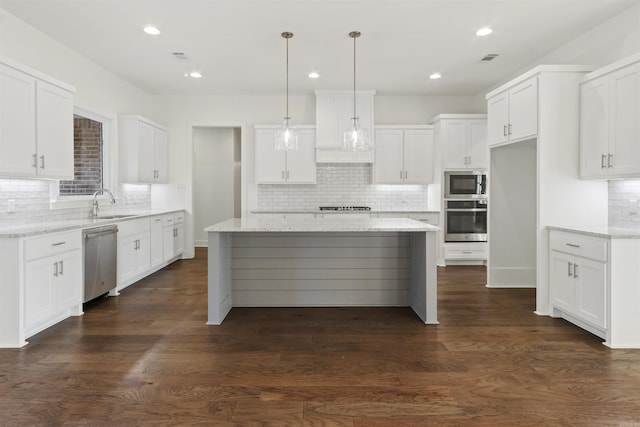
(216, 177)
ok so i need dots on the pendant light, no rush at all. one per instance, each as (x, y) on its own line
(286, 137)
(356, 138)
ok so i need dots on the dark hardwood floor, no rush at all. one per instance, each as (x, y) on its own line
(147, 358)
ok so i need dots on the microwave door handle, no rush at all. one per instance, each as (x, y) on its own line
(482, 185)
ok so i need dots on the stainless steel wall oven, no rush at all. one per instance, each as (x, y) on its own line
(465, 220)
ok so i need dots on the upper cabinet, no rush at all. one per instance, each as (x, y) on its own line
(143, 148)
(463, 140)
(610, 121)
(404, 155)
(36, 112)
(334, 110)
(513, 113)
(285, 167)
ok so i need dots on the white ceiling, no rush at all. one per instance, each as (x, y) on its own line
(237, 45)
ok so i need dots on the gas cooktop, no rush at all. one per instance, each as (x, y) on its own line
(345, 208)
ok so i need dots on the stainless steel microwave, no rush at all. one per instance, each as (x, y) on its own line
(465, 184)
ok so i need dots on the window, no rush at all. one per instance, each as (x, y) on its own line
(88, 158)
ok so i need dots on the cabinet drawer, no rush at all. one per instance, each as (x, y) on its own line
(40, 247)
(178, 218)
(579, 245)
(466, 251)
(168, 220)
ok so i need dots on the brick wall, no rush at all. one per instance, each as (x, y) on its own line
(87, 151)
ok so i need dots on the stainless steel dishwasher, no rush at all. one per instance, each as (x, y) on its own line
(100, 260)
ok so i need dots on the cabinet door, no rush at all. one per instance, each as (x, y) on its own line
(18, 122)
(68, 284)
(455, 143)
(327, 127)
(478, 149)
(178, 241)
(418, 156)
(523, 110)
(301, 163)
(624, 143)
(161, 147)
(39, 303)
(168, 249)
(157, 243)
(562, 282)
(127, 248)
(594, 128)
(497, 119)
(143, 254)
(591, 297)
(146, 152)
(270, 164)
(54, 130)
(389, 167)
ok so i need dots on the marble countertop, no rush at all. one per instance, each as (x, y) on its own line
(603, 231)
(317, 211)
(33, 229)
(320, 225)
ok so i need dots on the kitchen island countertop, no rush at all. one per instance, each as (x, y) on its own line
(320, 225)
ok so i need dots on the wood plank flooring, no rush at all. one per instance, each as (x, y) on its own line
(147, 358)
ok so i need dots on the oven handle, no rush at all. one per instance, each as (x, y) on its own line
(466, 210)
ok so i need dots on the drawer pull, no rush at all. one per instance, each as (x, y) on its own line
(569, 269)
(158, 220)
(58, 243)
(572, 245)
(575, 270)
(467, 252)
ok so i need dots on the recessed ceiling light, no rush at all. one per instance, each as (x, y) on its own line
(313, 75)
(435, 76)
(150, 29)
(484, 31)
(194, 74)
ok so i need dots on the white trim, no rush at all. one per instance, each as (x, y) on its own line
(538, 70)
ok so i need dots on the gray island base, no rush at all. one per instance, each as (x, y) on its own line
(259, 262)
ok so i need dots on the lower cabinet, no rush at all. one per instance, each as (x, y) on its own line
(134, 251)
(157, 237)
(173, 240)
(52, 280)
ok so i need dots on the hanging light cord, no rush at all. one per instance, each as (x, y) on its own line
(354, 35)
(287, 35)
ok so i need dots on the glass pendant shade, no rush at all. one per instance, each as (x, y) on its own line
(286, 137)
(356, 138)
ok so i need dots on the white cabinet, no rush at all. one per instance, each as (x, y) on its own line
(334, 110)
(609, 123)
(463, 140)
(143, 147)
(578, 266)
(157, 241)
(285, 167)
(134, 251)
(512, 115)
(52, 280)
(404, 156)
(173, 242)
(36, 136)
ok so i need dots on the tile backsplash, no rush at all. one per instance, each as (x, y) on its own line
(31, 199)
(624, 203)
(342, 184)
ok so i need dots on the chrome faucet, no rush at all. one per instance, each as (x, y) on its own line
(95, 200)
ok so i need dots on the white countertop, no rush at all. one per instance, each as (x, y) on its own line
(603, 231)
(318, 211)
(33, 229)
(320, 225)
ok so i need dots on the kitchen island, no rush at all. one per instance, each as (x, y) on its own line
(260, 262)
